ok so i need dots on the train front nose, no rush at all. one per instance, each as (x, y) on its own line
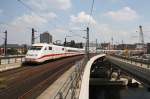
(31, 56)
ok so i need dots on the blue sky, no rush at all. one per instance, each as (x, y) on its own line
(111, 18)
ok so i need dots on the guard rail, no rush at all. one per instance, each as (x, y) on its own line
(11, 59)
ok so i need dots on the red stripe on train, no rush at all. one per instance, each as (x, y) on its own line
(48, 55)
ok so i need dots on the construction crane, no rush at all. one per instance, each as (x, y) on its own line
(141, 36)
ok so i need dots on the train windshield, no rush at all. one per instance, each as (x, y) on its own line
(36, 48)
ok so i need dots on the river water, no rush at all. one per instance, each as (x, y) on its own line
(119, 93)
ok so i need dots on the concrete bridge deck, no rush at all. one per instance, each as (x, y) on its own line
(137, 71)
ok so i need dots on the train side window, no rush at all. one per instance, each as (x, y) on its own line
(45, 48)
(50, 48)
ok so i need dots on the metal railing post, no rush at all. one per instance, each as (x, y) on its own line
(8, 60)
(71, 84)
(21, 59)
(73, 87)
(148, 65)
(60, 95)
(135, 62)
(15, 60)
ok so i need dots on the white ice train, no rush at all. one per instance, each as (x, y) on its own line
(41, 52)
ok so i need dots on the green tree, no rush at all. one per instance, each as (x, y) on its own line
(12, 51)
(72, 43)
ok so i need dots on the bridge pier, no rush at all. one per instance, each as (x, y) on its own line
(114, 72)
(132, 82)
(111, 72)
(119, 74)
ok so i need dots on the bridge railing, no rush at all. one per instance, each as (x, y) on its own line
(69, 88)
(135, 60)
(135, 70)
(11, 59)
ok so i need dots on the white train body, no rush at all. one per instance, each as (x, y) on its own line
(42, 52)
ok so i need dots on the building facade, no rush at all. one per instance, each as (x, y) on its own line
(19, 49)
(45, 38)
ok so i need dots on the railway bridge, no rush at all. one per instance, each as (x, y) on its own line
(97, 73)
(137, 70)
(83, 82)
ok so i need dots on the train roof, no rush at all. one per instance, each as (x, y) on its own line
(44, 44)
(40, 44)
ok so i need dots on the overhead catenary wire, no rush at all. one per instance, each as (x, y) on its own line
(91, 13)
(25, 5)
(34, 12)
(8, 24)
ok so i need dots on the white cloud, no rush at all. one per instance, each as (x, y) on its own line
(50, 4)
(58, 33)
(29, 20)
(33, 20)
(105, 28)
(59, 30)
(49, 15)
(82, 17)
(104, 32)
(124, 14)
(21, 26)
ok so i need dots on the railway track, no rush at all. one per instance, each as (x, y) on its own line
(29, 82)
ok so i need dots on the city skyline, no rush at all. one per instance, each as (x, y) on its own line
(119, 19)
